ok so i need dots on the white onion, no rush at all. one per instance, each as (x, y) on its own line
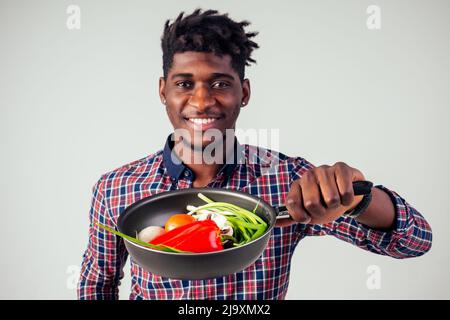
(219, 219)
(150, 233)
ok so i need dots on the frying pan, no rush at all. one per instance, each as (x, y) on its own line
(156, 210)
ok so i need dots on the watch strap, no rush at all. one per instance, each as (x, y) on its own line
(360, 207)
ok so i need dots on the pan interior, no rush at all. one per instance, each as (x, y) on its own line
(156, 210)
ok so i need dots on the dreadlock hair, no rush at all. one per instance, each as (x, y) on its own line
(208, 32)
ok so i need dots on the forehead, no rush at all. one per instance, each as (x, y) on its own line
(201, 62)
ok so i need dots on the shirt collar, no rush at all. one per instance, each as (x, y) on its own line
(176, 168)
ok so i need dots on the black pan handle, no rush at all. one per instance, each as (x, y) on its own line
(362, 187)
(359, 188)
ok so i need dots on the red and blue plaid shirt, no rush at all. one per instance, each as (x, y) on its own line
(268, 277)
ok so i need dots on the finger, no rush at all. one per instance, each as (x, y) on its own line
(311, 196)
(328, 188)
(357, 175)
(344, 180)
(294, 204)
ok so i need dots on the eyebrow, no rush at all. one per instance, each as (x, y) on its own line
(214, 75)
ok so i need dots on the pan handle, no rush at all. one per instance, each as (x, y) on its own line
(359, 188)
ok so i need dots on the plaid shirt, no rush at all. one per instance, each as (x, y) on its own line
(268, 277)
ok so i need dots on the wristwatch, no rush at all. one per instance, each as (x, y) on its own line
(360, 207)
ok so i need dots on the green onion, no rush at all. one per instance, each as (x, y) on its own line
(205, 198)
(232, 208)
(243, 223)
(258, 233)
(225, 237)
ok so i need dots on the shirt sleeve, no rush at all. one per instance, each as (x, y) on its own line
(411, 237)
(105, 256)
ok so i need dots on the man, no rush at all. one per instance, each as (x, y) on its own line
(203, 89)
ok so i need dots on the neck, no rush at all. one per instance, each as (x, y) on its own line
(204, 174)
(204, 162)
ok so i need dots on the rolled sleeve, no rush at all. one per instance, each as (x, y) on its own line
(412, 236)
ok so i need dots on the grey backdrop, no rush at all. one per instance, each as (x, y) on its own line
(78, 103)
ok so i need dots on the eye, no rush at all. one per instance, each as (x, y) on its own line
(220, 85)
(184, 84)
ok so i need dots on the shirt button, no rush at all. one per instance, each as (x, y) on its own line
(187, 173)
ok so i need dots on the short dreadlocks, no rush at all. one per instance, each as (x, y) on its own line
(208, 32)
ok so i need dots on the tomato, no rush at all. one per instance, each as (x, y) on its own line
(178, 220)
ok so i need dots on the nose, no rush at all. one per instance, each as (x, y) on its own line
(201, 98)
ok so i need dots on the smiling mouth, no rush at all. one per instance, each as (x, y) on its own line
(202, 120)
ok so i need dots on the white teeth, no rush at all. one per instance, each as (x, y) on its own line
(202, 120)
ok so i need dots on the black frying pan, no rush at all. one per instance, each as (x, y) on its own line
(155, 210)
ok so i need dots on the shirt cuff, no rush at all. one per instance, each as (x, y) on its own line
(404, 223)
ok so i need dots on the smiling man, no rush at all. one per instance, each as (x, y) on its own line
(203, 89)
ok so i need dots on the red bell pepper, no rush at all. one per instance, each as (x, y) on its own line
(198, 236)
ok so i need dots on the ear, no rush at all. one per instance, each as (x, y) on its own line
(162, 90)
(246, 91)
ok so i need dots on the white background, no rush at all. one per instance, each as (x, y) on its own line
(78, 103)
